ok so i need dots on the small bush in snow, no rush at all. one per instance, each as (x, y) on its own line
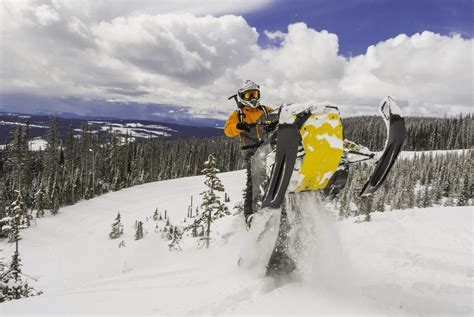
(117, 228)
(139, 232)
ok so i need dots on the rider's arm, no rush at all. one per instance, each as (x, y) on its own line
(269, 109)
(230, 128)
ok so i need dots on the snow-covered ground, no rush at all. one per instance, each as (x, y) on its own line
(403, 262)
(3, 122)
(135, 130)
(37, 144)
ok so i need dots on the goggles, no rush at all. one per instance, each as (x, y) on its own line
(250, 95)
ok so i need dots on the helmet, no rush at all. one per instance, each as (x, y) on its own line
(249, 94)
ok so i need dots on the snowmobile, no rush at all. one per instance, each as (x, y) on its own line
(307, 152)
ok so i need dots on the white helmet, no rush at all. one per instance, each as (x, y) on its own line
(249, 94)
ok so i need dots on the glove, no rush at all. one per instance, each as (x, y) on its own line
(243, 126)
(271, 127)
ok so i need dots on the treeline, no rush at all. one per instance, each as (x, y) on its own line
(72, 167)
(420, 181)
(75, 167)
(423, 133)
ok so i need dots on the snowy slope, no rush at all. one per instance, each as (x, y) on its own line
(414, 261)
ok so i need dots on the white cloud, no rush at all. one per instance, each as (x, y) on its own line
(45, 15)
(275, 36)
(306, 65)
(425, 67)
(191, 50)
(95, 50)
(431, 73)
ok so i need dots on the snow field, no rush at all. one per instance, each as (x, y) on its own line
(403, 262)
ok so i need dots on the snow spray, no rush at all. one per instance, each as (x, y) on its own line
(316, 247)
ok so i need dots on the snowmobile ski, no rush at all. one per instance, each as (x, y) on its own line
(396, 133)
(288, 139)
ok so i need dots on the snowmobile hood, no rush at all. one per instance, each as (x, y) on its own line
(288, 112)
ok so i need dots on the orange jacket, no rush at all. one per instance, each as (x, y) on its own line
(251, 116)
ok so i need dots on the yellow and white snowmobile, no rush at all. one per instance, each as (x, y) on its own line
(308, 149)
(307, 152)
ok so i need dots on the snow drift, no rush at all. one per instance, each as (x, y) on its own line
(403, 262)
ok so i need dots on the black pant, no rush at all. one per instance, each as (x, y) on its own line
(248, 201)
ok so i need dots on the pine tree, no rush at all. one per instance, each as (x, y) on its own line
(426, 197)
(139, 233)
(52, 166)
(175, 238)
(359, 181)
(3, 206)
(194, 229)
(12, 285)
(465, 193)
(40, 203)
(117, 228)
(213, 207)
(12, 224)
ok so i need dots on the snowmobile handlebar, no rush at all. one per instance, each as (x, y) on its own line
(261, 124)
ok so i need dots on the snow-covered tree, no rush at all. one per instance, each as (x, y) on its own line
(139, 233)
(210, 199)
(3, 205)
(213, 207)
(12, 284)
(40, 202)
(117, 228)
(14, 221)
(175, 237)
(465, 193)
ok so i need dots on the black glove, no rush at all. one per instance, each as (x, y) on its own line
(243, 126)
(271, 127)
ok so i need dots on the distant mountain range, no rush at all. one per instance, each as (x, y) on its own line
(39, 125)
(82, 108)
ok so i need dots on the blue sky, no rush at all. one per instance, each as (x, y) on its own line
(360, 23)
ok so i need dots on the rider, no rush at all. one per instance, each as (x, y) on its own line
(240, 123)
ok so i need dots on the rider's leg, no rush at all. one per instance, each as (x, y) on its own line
(248, 202)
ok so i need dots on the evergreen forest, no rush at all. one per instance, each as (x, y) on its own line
(75, 167)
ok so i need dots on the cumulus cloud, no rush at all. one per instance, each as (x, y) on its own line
(429, 73)
(151, 51)
(305, 65)
(163, 58)
(192, 50)
(425, 68)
